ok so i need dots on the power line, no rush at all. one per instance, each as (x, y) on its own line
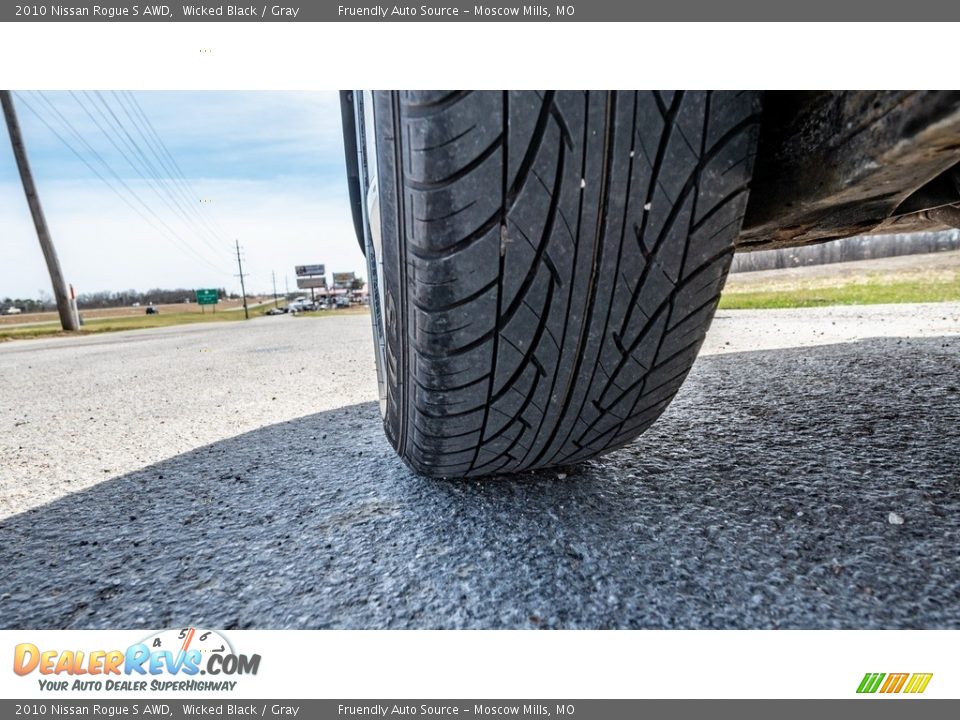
(106, 164)
(191, 205)
(170, 234)
(177, 175)
(135, 148)
(169, 230)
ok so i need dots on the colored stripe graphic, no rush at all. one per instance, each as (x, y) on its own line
(895, 682)
(918, 682)
(870, 682)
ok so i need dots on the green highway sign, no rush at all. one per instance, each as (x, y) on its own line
(207, 297)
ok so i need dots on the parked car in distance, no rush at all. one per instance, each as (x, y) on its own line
(153, 311)
(301, 305)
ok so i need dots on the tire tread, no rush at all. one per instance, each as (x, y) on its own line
(554, 317)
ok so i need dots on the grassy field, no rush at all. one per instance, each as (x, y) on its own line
(869, 293)
(97, 313)
(131, 322)
(140, 321)
(905, 279)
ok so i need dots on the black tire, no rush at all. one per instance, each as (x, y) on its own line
(550, 264)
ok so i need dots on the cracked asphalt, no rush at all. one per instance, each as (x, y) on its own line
(236, 476)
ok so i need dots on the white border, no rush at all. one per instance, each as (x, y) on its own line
(551, 665)
(313, 56)
(761, 664)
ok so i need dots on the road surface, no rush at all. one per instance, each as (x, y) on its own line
(235, 476)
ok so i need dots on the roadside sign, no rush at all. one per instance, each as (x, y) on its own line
(343, 279)
(207, 297)
(310, 270)
(311, 282)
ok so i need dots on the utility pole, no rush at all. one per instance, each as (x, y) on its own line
(273, 274)
(68, 318)
(243, 289)
(286, 287)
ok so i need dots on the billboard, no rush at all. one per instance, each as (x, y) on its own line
(343, 279)
(310, 270)
(311, 282)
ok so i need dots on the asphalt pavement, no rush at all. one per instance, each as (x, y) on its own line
(236, 476)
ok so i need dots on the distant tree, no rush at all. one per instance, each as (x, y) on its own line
(124, 298)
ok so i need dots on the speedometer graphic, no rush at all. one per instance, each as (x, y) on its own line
(181, 640)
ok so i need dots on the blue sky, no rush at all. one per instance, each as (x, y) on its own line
(268, 167)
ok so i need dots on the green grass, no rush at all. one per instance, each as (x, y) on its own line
(137, 322)
(131, 322)
(869, 293)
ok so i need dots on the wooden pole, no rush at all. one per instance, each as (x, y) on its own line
(243, 289)
(68, 319)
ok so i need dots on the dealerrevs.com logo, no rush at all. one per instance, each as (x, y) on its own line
(911, 683)
(168, 660)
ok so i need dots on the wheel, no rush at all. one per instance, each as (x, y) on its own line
(544, 266)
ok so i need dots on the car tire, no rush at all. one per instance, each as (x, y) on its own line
(547, 264)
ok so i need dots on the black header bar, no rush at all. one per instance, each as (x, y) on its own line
(497, 11)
